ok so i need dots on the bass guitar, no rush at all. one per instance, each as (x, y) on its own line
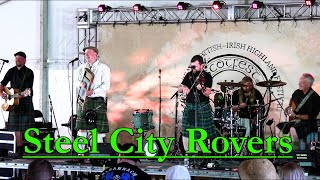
(13, 96)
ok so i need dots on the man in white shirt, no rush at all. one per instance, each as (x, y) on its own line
(92, 111)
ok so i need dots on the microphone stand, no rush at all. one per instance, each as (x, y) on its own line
(71, 123)
(54, 116)
(160, 100)
(2, 66)
(176, 123)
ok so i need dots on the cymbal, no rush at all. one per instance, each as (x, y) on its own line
(230, 84)
(271, 83)
(174, 86)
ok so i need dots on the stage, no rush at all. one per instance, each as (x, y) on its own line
(213, 169)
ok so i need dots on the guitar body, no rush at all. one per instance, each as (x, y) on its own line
(13, 98)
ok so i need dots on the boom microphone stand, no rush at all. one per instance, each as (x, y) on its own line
(176, 123)
(72, 125)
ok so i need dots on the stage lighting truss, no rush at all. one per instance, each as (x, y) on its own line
(229, 12)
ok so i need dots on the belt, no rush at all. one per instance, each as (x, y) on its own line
(96, 98)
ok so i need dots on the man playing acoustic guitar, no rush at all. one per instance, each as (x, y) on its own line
(21, 116)
(304, 106)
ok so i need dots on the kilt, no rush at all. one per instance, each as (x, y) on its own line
(204, 119)
(101, 121)
(21, 117)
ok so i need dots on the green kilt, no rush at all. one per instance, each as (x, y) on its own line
(21, 117)
(204, 119)
(101, 121)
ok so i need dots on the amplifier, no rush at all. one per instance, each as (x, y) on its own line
(304, 157)
(7, 144)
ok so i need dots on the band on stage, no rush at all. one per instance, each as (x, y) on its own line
(239, 109)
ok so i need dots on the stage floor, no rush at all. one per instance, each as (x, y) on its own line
(225, 169)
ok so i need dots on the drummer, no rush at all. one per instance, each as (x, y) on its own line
(244, 101)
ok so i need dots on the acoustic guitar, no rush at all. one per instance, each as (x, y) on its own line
(13, 96)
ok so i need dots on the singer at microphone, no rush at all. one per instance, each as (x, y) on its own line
(94, 97)
(21, 115)
(196, 85)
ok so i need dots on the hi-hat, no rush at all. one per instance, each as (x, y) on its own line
(271, 83)
(230, 84)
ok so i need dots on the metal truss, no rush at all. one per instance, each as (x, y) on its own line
(237, 12)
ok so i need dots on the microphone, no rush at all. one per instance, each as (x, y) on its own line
(76, 59)
(66, 124)
(192, 66)
(4, 60)
(274, 74)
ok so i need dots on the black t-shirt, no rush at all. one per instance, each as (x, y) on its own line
(244, 112)
(310, 107)
(19, 79)
(188, 80)
(124, 171)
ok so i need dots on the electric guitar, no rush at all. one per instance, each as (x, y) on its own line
(290, 123)
(13, 96)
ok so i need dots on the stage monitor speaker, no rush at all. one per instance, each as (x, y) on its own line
(7, 144)
(105, 149)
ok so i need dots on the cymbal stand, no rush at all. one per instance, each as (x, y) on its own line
(230, 91)
(258, 121)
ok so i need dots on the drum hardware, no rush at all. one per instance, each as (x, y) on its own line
(230, 88)
(269, 84)
(230, 84)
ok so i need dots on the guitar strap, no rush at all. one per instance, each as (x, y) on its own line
(304, 100)
(24, 77)
(286, 125)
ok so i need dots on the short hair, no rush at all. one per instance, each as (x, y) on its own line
(40, 169)
(291, 170)
(197, 58)
(309, 78)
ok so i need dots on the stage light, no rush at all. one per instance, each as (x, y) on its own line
(256, 4)
(103, 8)
(156, 146)
(137, 7)
(309, 2)
(182, 6)
(217, 5)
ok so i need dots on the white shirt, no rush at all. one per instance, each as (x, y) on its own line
(101, 80)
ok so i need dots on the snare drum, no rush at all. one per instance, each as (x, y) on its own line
(142, 118)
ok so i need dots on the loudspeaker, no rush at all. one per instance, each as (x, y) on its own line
(105, 149)
(7, 144)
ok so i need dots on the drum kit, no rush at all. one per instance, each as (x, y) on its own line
(224, 116)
